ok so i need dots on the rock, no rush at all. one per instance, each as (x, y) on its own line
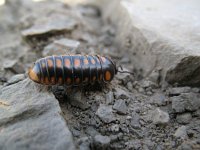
(53, 49)
(32, 118)
(154, 76)
(135, 121)
(185, 102)
(121, 94)
(181, 132)
(109, 98)
(159, 117)
(158, 99)
(146, 84)
(159, 46)
(129, 86)
(184, 118)
(77, 99)
(185, 146)
(178, 90)
(14, 66)
(59, 47)
(14, 79)
(105, 113)
(67, 43)
(54, 24)
(120, 107)
(89, 11)
(115, 128)
(101, 142)
(84, 143)
(91, 131)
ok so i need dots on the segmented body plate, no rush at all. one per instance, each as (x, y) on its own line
(74, 70)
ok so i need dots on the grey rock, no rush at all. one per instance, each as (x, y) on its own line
(91, 131)
(185, 146)
(120, 107)
(115, 128)
(154, 76)
(185, 102)
(89, 11)
(101, 142)
(32, 119)
(53, 49)
(109, 97)
(130, 86)
(14, 66)
(61, 46)
(77, 99)
(141, 90)
(185, 72)
(121, 94)
(178, 90)
(135, 121)
(54, 24)
(105, 113)
(146, 84)
(181, 132)
(184, 118)
(160, 117)
(158, 99)
(84, 143)
(67, 43)
(15, 79)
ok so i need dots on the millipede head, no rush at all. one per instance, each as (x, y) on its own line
(33, 73)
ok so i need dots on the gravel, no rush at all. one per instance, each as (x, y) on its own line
(160, 117)
(120, 106)
(105, 113)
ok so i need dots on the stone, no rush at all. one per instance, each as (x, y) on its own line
(115, 128)
(101, 142)
(178, 90)
(31, 117)
(54, 24)
(152, 41)
(146, 84)
(105, 113)
(14, 66)
(61, 47)
(135, 121)
(77, 99)
(120, 107)
(53, 49)
(89, 10)
(185, 102)
(84, 143)
(184, 118)
(67, 43)
(14, 79)
(181, 132)
(109, 98)
(158, 99)
(155, 76)
(159, 116)
(121, 94)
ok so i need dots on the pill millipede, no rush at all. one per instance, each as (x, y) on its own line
(73, 70)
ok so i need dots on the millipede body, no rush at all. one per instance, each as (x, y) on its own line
(72, 70)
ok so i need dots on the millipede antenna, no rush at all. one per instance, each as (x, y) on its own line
(124, 71)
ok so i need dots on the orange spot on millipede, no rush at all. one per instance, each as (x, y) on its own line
(77, 62)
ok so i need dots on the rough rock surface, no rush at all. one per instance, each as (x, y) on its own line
(30, 118)
(159, 39)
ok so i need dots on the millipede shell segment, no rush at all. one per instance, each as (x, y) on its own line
(72, 70)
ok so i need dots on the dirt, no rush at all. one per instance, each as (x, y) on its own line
(118, 115)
